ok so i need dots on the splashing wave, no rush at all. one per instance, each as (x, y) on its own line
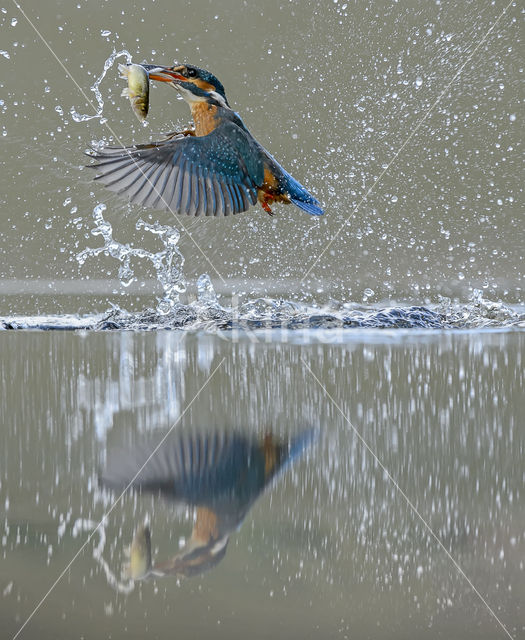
(208, 314)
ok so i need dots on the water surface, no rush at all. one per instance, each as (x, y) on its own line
(331, 548)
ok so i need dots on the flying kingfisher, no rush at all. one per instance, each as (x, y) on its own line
(216, 168)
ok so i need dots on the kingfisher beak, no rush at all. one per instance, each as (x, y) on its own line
(163, 74)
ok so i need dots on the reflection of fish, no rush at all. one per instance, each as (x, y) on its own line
(140, 554)
(221, 474)
(138, 88)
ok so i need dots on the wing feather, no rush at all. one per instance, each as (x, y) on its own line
(128, 181)
(202, 200)
(211, 209)
(221, 204)
(148, 186)
(231, 192)
(186, 190)
(118, 172)
(177, 195)
(227, 198)
(212, 175)
(160, 187)
(194, 203)
(167, 189)
(244, 197)
(240, 201)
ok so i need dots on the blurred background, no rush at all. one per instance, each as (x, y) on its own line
(333, 90)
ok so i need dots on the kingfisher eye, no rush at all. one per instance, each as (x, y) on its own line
(191, 73)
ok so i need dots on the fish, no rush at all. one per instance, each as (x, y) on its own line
(139, 566)
(138, 88)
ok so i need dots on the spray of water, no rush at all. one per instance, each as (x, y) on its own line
(168, 263)
(84, 117)
(206, 312)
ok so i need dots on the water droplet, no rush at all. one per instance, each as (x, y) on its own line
(14, 22)
(205, 291)
(368, 293)
(105, 33)
(125, 273)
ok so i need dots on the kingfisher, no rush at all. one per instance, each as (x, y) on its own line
(215, 168)
(218, 473)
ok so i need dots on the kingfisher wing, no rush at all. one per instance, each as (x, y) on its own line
(213, 175)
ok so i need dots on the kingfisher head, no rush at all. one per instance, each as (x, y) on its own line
(194, 84)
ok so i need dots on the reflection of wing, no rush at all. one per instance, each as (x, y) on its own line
(221, 473)
(223, 470)
(211, 469)
(211, 175)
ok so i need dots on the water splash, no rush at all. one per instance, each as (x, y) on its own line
(480, 313)
(269, 314)
(122, 585)
(84, 117)
(205, 291)
(207, 312)
(168, 263)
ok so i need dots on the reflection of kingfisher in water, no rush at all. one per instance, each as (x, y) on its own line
(215, 169)
(221, 474)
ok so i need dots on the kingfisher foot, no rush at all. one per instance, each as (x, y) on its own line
(266, 207)
(174, 134)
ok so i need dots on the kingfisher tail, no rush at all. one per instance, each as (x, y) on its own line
(300, 196)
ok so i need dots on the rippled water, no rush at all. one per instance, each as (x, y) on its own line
(331, 548)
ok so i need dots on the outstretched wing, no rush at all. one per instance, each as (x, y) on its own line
(212, 175)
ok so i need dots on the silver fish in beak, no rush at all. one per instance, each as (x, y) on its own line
(138, 88)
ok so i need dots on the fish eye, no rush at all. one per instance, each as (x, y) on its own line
(191, 73)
